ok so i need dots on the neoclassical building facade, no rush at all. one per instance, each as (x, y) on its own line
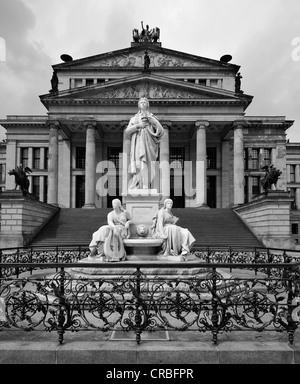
(215, 152)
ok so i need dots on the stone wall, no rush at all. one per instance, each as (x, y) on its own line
(21, 218)
(269, 219)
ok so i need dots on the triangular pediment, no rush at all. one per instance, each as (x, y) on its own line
(134, 57)
(149, 85)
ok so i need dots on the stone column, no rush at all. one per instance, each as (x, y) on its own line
(11, 162)
(201, 188)
(42, 158)
(53, 163)
(297, 198)
(238, 164)
(288, 173)
(90, 164)
(297, 173)
(164, 163)
(30, 157)
(125, 160)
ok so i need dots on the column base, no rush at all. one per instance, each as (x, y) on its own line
(89, 206)
(202, 206)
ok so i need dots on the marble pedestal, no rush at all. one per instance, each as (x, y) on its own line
(142, 205)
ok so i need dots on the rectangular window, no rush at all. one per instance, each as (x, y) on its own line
(100, 80)
(113, 156)
(255, 185)
(202, 82)
(246, 158)
(36, 158)
(295, 229)
(24, 157)
(89, 81)
(177, 155)
(77, 83)
(267, 156)
(36, 186)
(292, 173)
(211, 158)
(46, 156)
(255, 158)
(45, 188)
(2, 173)
(214, 82)
(80, 157)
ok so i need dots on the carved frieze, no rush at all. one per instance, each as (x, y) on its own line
(154, 91)
(137, 60)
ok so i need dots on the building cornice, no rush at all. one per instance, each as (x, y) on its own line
(118, 101)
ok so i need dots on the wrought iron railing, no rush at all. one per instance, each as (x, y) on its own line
(223, 290)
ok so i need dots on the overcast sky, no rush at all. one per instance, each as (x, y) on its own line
(263, 37)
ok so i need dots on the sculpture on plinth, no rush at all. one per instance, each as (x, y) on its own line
(21, 177)
(107, 241)
(238, 78)
(270, 178)
(177, 241)
(144, 131)
(146, 35)
(54, 83)
(146, 61)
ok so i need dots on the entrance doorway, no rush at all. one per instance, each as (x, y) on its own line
(176, 176)
(211, 191)
(80, 191)
(113, 156)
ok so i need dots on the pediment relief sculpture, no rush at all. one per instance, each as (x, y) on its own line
(154, 91)
(136, 59)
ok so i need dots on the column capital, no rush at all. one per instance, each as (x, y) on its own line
(238, 124)
(202, 124)
(90, 123)
(53, 123)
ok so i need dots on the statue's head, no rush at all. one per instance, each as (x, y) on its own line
(117, 203)
(168, 202)
(143, 100)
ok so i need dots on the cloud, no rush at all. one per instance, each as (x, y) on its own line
(23, 75)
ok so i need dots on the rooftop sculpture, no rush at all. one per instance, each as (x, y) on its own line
(146, 34)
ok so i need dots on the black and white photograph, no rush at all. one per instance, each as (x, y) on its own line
(150, 185)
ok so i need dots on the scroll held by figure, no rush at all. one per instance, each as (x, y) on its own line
(107, 241)
(144, 132)
(177, 241)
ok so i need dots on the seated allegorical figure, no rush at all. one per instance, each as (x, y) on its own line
(177, 241)
(107, 241)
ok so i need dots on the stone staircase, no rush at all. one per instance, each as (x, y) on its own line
(211, 227)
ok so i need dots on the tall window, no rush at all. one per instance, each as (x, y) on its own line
(255, 185)
(46, 156)
(113, 156)
(211, 156)
(295, 229)
(24, 157)
(176, 176)
(80, 157)
(36, 158)
(255, 157)
(36, 186)
(2, 173)
(292, 173)
(45, 188)
(246, 158)
(267, 156)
